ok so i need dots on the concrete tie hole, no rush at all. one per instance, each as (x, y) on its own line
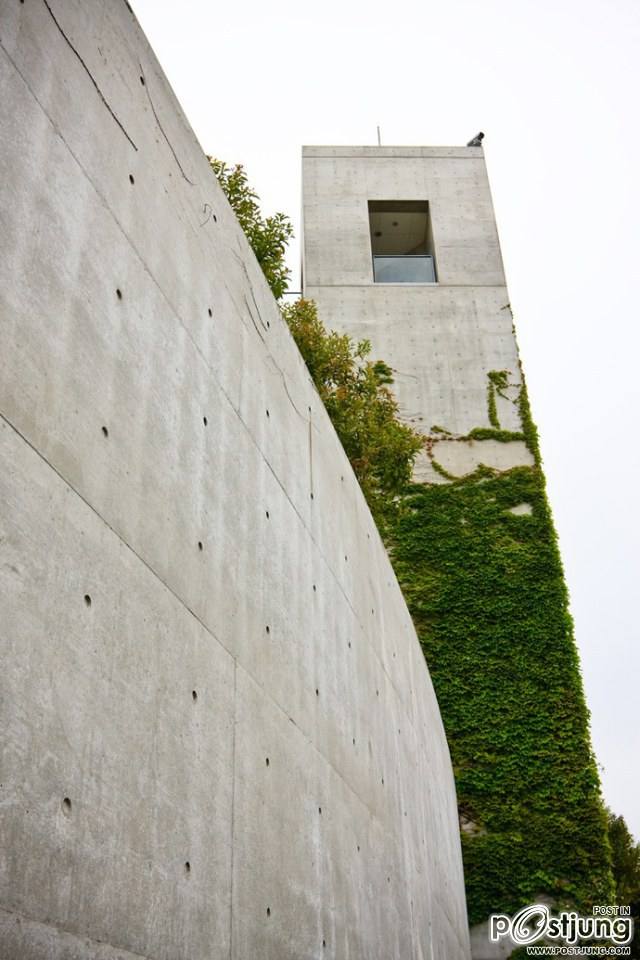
(268, 414)
(314, 588)
(205, 421)
(87, 600)
(131, 179)
(187, 867)
(142, 81)
(200, 546)
(267, 513)
(268, 911)
(266, 760)
(119, 293)
(324, 943)
(268, 628)
(320, 810)
(194, 695)
(66, 807)
(105, 432)
(317, 692)
(210, 312)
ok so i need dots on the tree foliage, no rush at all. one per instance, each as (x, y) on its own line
(625, 859)
(625, 856)
(364, 412)
(268, 236)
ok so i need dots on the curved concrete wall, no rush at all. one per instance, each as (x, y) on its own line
(220, 736)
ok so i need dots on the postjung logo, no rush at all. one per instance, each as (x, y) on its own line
(535, 922)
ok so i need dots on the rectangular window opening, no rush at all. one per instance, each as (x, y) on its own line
(401, 241)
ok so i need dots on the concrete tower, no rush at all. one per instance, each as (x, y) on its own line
(401, 249)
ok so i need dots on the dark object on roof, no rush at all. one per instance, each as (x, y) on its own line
(477, 140)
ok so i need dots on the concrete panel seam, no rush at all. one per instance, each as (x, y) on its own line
(119, 953)
(114, 531)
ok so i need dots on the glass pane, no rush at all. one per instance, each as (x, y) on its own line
(403, 270)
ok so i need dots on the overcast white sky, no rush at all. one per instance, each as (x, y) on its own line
(555, 86)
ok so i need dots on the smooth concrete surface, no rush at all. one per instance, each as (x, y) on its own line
(459, 457)
(462, 457)
(220, 739)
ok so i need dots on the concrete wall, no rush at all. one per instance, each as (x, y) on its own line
(441, 339)
(219, 734)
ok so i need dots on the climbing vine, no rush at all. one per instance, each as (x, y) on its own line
(486, 590)
(498, 382)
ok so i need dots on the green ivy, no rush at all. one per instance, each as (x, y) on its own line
(486, 433)
(486, 591)
(498, 383)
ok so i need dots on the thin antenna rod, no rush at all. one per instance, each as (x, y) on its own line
(379, 138)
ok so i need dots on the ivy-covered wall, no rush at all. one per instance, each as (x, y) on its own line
(486, 590)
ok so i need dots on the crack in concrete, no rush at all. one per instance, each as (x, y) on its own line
(89, 74)
(161, 128)
(286, 390)
(253, 296)
(250, 312)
